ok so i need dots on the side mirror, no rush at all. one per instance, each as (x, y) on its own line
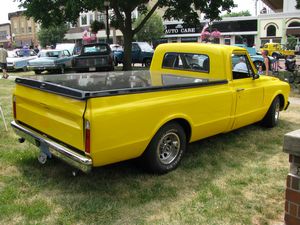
(255, 76)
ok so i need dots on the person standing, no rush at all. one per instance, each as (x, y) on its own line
(3, 62)
(264, 54)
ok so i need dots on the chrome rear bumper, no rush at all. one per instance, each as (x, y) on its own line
(83, 163)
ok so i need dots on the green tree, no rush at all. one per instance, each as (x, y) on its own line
(57, 11)
(152, 30)
(97, 25)
(298, 4)
(52, 34)
(291, 42)
(237, 14)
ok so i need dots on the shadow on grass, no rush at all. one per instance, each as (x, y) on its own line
(109, 192)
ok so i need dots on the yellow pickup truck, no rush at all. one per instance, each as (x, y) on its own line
(192, 91)
(276, 50)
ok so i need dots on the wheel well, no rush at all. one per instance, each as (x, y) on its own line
(186, 127)
(281, 98)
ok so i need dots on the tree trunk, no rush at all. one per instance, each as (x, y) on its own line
(128, 36)
(127, 51)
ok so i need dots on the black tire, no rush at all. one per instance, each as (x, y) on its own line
(165, 150)
(62, 69)
(37, 72)
(275, 55)
(147, 63)
(271, 119)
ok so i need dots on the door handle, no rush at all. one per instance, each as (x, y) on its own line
(240, 89)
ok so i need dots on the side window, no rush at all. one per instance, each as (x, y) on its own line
(66, 53)
(186, 61)
(241, 67)
(135, 48)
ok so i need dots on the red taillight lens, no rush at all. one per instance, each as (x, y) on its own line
(87, 137)
(14, 107)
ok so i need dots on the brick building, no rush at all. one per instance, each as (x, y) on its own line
(23, 30)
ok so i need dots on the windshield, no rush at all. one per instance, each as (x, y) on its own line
(95, 49)
(145, 47)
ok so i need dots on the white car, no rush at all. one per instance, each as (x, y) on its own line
(18, 59)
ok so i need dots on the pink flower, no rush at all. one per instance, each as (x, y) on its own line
(215, 34)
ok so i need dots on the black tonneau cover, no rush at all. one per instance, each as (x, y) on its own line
(88, 85)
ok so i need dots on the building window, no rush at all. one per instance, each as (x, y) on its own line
(15, 28)
(83, 20)
(100, 17)
(3, 35)
(271, 31)
(294, 24)
(91, 18)
(29, 30)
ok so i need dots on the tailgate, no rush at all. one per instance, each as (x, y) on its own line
(92, 61)
(54, 115)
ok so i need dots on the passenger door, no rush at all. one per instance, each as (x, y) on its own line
(136, 52)
(67, 58)
(249, 92)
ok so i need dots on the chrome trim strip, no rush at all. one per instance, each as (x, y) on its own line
(83, 163)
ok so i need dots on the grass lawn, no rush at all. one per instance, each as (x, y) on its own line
(233, 178)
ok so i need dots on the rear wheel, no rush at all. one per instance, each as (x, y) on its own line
(166, 149)
(271, 119)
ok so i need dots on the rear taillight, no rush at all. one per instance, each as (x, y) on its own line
(14, 107)
(87, 137)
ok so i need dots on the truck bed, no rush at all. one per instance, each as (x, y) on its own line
(88, 85)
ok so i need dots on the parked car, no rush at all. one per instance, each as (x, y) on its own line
(68, 46)
(277, 50)
(117, 52)
(51, 60)
(141, 52)
(94, 57)
(18, 59)
(256, 57)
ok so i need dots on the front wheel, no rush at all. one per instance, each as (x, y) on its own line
(62, 69)
(271, 119)
(147, 62)
(166, 149)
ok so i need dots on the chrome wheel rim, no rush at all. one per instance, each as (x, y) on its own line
(168, 148)
(277, 109)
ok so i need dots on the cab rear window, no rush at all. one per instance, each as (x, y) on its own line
(186, 61)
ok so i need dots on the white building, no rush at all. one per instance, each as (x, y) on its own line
(278, 24)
